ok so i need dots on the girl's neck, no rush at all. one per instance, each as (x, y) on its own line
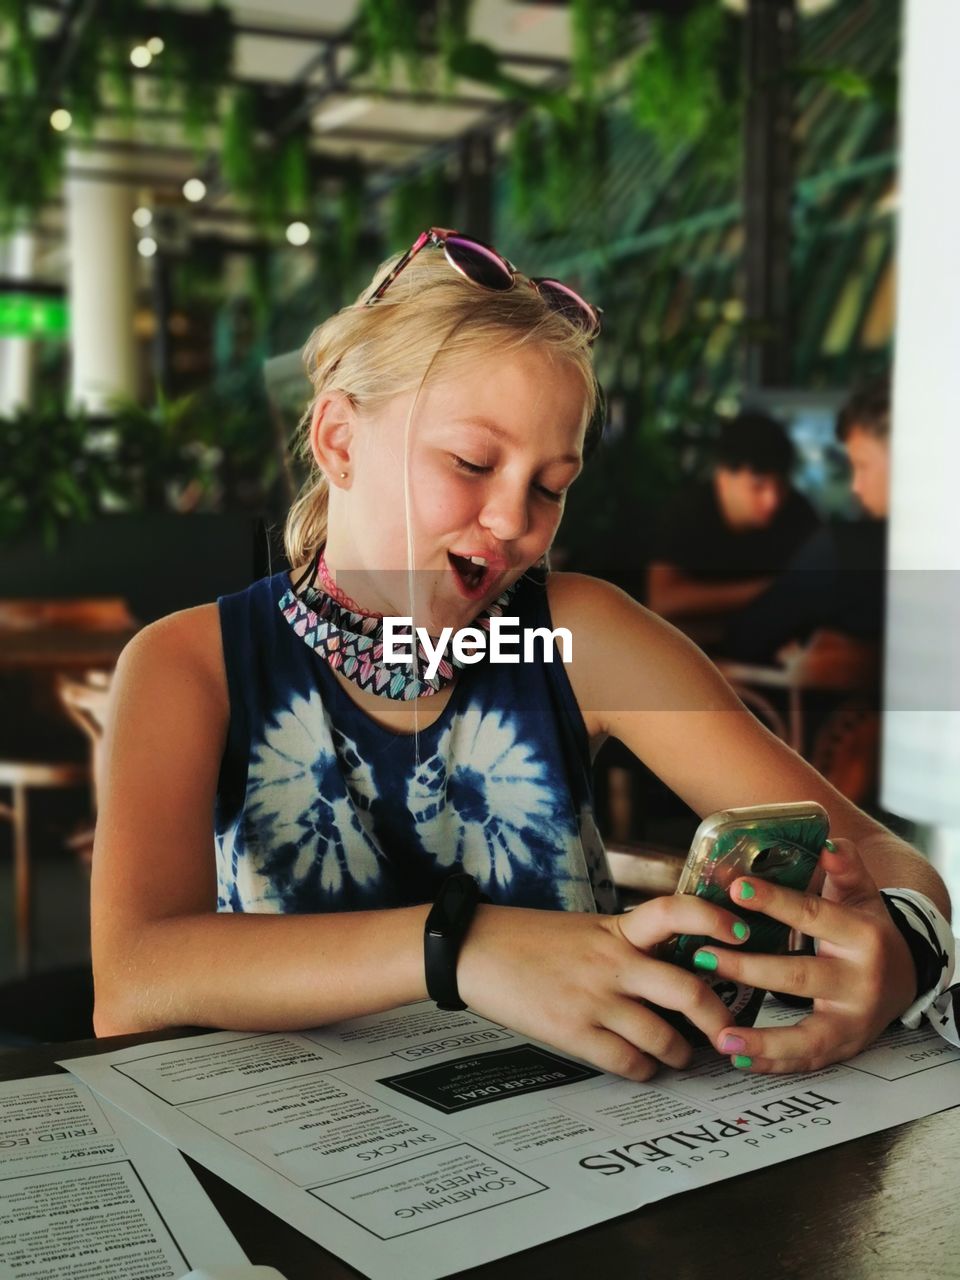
(326, 581)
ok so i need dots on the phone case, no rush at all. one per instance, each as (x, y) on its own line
(781, 843)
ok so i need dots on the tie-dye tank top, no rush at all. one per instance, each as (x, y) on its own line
(319, 808)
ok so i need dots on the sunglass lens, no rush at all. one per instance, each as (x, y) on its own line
(570, 305)
(479, 264)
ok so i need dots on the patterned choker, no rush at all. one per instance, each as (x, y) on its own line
(351, 641)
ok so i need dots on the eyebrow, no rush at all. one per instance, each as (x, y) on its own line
(495, 430)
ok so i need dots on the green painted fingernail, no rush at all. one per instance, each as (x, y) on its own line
(747, 890)
(742, 1062)
(828, 844)
(741, 931)
(705, 960)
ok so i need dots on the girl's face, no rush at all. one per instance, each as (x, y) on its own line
(490, 453)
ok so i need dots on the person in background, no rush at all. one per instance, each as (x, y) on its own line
(833, 589)
(721, 541)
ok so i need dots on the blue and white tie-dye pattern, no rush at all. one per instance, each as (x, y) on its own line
(321, 809)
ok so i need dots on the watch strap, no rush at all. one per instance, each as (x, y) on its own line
(447, 924)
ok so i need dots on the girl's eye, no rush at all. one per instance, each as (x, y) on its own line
(473, 468)
(551, 495)
(479, 469)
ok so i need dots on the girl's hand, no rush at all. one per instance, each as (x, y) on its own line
(578, 981)
(862, 978)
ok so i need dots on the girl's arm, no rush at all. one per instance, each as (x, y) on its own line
(163, 956)
(642, 681)
(639, 679)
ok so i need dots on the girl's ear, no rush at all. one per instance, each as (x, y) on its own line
(331, 436)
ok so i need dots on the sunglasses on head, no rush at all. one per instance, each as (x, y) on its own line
(489, 269)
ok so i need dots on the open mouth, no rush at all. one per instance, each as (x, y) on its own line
(472, 577)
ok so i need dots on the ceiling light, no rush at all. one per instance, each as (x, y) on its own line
(141, 56)
(155, 45)
(146, 247)
(61, 119)
(142, 217)
(194, 189)
(298, 233)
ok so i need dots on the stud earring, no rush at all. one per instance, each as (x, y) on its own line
(343, 475)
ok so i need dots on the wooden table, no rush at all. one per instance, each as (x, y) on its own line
(876, 1208)
(61, 650)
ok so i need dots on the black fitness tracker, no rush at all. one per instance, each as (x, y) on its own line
(443, 936)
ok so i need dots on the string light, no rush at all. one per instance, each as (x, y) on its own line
(155, 46)
(61, 119)
(142, 217)
(146, 247)
(194, 189)
(141, 56)
(298, 233)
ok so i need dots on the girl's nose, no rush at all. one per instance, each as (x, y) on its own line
(505, 514)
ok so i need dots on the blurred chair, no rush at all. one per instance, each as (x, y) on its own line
(85, 702)
(642, 871)
(21, 777)
(845, 746)
(39, 637)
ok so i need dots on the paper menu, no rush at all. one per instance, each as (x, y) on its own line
(410, 1141)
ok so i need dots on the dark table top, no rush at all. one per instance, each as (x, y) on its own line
(876, 1208)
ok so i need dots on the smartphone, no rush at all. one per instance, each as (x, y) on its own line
(780, 842)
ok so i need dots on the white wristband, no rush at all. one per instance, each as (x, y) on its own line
(938, 1003)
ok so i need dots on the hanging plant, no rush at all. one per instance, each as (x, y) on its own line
(349, 223)
(402, 31)
(597, 29)
(424, 199)
(554, 160)
(452, 28)
(687, 80)
(198, 58)
(388, 31)
(270, 177)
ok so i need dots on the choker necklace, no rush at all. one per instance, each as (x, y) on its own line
(350, 640)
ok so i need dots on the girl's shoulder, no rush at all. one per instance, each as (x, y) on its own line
(578, 601)
(624, 655)
(181, 649)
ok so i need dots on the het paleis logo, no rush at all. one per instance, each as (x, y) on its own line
(750, 1127)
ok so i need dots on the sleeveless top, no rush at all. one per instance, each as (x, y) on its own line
(319, 808)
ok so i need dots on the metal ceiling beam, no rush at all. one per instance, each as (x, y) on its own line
(311, 35)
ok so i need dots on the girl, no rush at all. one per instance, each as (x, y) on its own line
(281, 806)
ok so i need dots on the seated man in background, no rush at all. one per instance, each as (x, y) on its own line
(834, 586)
(721, 541)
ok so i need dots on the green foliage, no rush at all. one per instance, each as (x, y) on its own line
(597, 29)
(49, 473)
(557, 164)
(269, 176)
(854, 85)
(388, 31)
(425, 199)
(197, 59)
(198, 452)
(392, 32)
(687, 80)
(44, 73)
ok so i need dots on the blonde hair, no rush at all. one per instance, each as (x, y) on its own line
(430, 321)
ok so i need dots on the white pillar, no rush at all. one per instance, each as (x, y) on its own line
(102, 283)
(921, 746)
(16, 354)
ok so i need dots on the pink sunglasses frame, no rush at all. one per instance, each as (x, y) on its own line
(438, 237)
